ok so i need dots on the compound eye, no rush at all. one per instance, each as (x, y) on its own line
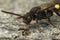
(57, 6)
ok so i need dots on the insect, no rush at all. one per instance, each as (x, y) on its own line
(37, 13)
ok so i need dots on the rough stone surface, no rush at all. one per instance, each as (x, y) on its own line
(9, 25)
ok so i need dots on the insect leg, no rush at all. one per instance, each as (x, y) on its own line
(51, 22)
(57, 13)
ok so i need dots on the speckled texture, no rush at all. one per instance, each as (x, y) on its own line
(9, 24)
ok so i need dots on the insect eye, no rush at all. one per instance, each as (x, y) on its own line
(57, 6)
